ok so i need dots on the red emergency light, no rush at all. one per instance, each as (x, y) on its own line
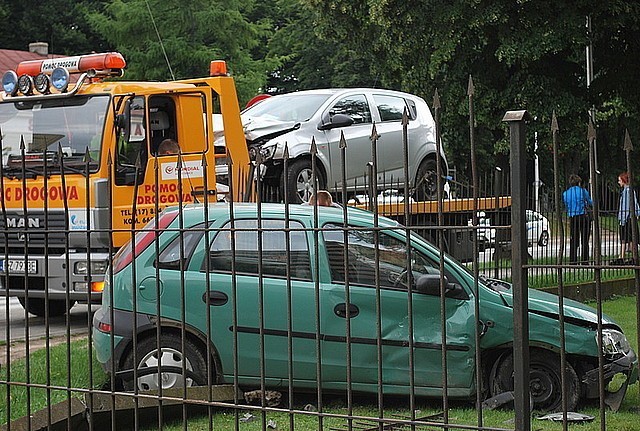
(76, 64)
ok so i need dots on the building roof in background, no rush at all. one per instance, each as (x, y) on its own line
(10, 58)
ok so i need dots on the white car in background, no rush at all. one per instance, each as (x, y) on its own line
(389, 196)
(537, 227)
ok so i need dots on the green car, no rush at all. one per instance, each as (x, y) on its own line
(307, 296)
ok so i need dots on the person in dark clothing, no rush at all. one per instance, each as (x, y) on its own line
(578, 203)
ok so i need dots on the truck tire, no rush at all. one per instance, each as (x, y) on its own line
(36, 306)
(299, 180)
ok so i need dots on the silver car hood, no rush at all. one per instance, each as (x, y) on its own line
(258, 127)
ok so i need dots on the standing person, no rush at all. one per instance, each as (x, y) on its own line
(624, 214)
(578, 202)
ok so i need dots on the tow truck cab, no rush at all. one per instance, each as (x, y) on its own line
(81, 170)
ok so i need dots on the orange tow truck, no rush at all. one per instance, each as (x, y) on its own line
(80, 160)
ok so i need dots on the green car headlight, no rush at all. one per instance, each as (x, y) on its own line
(614, 343)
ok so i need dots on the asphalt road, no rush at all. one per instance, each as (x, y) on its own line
(14, 325)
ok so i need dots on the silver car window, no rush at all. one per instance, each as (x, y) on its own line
(355, 106)
(390, 107)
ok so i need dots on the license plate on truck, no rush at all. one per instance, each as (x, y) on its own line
(17, 266)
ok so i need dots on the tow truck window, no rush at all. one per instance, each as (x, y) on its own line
(73, 124)
(133, 146)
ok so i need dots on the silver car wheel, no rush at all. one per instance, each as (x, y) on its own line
(304, 184)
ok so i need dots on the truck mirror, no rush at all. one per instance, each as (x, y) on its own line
(123, 120)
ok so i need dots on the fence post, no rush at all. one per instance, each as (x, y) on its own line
(516, 120)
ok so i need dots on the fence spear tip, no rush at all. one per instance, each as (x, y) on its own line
(470, 88)
(628, 145)
(554, 122)
(436, 100)
(405, 117)
(314, 147)
(343, 142)
(285, 153)
(374, 133)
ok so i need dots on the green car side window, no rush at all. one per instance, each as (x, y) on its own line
(359, 264)
(244, 257)
(180, 250)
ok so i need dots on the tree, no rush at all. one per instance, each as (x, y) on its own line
(522, 55)
(167, 39)
(60, 23)
(306, 57)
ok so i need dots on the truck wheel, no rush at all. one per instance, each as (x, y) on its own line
(426, 188)
(36, 306)
(545, 383)
(170, 356)
(300, 181)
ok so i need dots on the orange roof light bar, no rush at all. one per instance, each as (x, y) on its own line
(76, 64)
(218, 68)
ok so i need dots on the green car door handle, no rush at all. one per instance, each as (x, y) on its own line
(215, 297)
(340, 310)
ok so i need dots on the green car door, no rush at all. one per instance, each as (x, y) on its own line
(384, 311)
(249, 248)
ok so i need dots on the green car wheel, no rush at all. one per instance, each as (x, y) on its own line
(171, 356)
(545, 382)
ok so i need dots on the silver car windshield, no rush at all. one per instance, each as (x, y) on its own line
(287, 107)
(74, 124)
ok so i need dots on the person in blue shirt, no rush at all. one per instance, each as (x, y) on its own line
(578, 203)
(624, 214)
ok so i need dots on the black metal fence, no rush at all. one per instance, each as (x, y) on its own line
(270, 316)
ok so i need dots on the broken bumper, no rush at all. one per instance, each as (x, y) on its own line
(618, 375)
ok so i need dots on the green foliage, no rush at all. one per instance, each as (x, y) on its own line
(522, 55)
(60, 23)
(167, 39)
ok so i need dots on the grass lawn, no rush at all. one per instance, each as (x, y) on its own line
(622, 309)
